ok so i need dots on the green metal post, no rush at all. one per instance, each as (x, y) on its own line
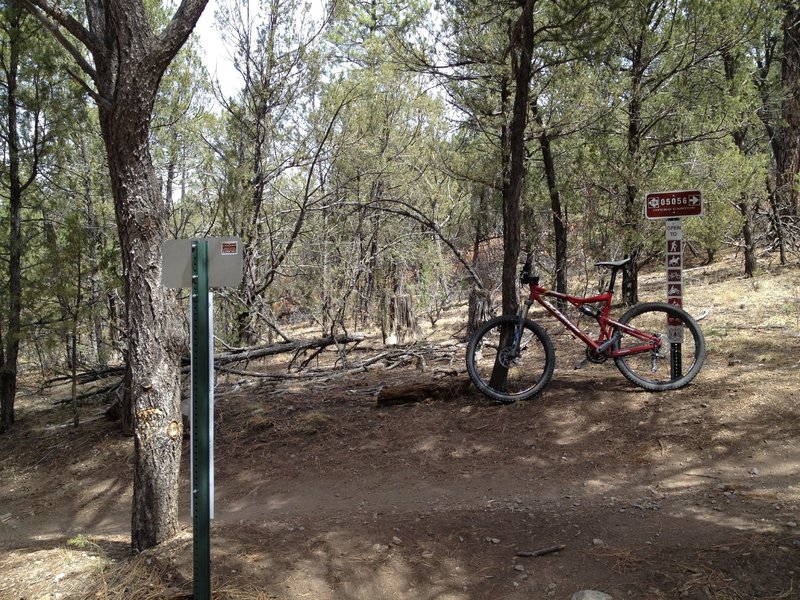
(201, 381)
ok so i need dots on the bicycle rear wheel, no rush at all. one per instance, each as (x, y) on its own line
(500, 372)
(674, 365)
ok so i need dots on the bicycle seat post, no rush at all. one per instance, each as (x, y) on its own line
(613, 279)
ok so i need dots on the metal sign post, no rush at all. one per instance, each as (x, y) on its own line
(673, 206)
(200, 264)
(201, 423)
(675, 292)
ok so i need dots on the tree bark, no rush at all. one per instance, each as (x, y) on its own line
(480, 304)
(749, 243)
(153, 359)
(761, 79)
(521, 46)
(744, 205)
(9, 355)
(402, 322)
(630, 273)
(129, 60)
(521, 42)
(99, 344)
(788, 159)
(153, 347)
(632, 210)
(153, 342)
(556, 208)
(9, 351)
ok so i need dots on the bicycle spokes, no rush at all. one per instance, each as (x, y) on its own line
(668, 365)
(508, 362)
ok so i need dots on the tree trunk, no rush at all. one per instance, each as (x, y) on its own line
(371, 262)
(246, 332)
(9, 354)
(778, 233)
(51, 242)
(762, 82)
(480, 299)
(74, 349)
(99, 345)
(556, 209)
(746, 209)
(480, 304)
(129, 60)
(749, 243)
(153, 344)
(252, 236)
(788, 159)
(402, 322)
(630, 275)
(514, 168)
(632, 209)
(521, 44)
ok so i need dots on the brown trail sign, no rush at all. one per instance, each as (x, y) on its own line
(672, 205)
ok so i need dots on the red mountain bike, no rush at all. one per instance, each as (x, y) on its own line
(657, 346)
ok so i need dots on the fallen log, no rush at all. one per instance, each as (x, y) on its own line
(84, 377)
(442, 389)
(253, 352)
(223, 358)
(104, 390)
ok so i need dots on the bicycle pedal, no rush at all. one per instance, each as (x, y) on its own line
(582, 364)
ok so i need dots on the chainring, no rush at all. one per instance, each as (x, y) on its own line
(595, 357)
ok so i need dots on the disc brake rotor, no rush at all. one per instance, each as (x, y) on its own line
(507, 358)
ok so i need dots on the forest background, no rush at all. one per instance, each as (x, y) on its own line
(383, 161)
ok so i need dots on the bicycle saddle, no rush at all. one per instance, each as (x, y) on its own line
(613, 264)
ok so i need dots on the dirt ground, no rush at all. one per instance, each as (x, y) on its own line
(320, 494)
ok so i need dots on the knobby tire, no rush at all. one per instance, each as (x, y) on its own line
(653, 370)
(508, 379)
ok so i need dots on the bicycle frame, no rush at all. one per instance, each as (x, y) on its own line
(605, 342)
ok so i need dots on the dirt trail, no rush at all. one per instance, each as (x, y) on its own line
(320, 494)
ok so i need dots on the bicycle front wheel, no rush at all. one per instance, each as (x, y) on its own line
(672, 366)
(501, 371)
